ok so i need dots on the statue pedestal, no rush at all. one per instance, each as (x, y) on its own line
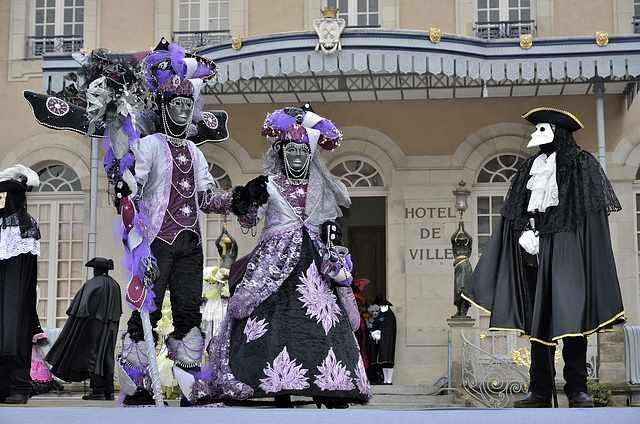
(457, 325)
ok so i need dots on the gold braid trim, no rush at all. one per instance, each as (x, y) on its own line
(475, 304)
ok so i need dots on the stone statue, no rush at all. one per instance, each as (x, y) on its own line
(461, 243)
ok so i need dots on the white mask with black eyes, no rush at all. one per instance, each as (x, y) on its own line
(543, 135)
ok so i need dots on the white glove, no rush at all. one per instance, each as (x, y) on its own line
(529, 241)
(375, 335)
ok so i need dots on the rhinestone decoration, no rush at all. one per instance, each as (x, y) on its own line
(210, 120)
(57, 106)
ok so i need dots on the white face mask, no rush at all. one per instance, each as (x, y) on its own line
(3, 199)
(384, 308)
(543, 135)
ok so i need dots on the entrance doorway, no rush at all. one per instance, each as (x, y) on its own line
(364, 233)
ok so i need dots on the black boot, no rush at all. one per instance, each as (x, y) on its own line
(533, 400)
(95, 396)
(283, 401)
(580, 400)
(17, 399)
(141, 398)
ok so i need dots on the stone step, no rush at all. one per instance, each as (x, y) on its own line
(384, 396)
(412, 397)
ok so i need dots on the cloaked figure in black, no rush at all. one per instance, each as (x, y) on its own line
(19, 251)
(85, 348)
(548, 269)
(383, 334)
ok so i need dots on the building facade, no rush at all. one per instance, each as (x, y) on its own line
(427, 94)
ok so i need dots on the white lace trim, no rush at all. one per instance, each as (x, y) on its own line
(543, 184)
(12, 244)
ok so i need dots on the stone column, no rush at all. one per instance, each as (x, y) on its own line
(611, 366)
(457, 325)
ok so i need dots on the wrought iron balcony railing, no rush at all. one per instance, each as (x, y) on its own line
(636, 24)
(192, 40)
(504, 29)
(39, 45)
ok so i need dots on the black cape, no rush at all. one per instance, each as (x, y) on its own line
(17, 309)
(86, 344)
(573, 289)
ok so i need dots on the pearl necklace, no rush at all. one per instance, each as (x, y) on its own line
(176, 142)
(297, 177)
(167, 129)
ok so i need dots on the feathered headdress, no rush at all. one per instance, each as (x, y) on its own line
(301, 126)
(21, 174)
(171, 69)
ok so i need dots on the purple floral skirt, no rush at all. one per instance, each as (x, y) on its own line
(298, 341)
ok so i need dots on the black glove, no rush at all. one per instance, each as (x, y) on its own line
(254, 193)
(120, 191)
(331, 232)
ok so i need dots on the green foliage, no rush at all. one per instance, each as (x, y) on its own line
(599, 394)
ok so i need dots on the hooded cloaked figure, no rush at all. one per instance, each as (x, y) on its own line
(548, 269)
(289, 326)
(19, 252)
(85, 348)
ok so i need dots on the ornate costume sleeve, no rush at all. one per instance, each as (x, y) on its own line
(214, 203)
(348, 300)
(250, 219)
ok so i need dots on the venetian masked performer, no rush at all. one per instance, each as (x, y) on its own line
(290, 320)
(19, 252)
(172, 185)
(548, 270)
(148, 108)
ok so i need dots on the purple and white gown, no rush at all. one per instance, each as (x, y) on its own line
(287, 331)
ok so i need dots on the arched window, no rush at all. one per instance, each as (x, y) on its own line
(222, 179)
(500, 169)
(357, 173)
(58, 178)
(58, 205)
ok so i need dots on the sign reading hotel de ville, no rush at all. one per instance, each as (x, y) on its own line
(427, 228)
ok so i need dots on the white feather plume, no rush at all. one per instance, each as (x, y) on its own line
(17, 172)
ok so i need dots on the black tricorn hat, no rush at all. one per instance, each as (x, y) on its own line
(101, 263)
(552, 115)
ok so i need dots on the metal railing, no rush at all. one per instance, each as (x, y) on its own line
(191, 40)
(493, 30)
(495, 367)
(39, 45)
(491, 379)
